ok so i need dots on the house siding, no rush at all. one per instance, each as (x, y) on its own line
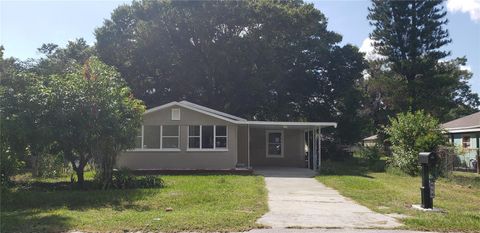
(294, 151)
(183, 159)
(242, 145)
(465, 156)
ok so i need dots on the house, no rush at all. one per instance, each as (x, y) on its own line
(370, 141)
(464, 133)
(186, 136)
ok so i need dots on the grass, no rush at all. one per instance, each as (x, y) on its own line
(458, 196)
(199, 203)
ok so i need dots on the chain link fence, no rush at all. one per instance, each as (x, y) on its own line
(455, 159)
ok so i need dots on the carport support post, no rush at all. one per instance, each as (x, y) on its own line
(314, 151)
(319, 149)
(248, 146)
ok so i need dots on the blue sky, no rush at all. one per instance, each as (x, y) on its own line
(25, 25)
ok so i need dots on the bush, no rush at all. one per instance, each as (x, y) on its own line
(125, 179)
(51, 165)
(411, 133)
(369, 154)
(9, 166)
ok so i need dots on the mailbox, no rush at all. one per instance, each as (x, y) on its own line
(427, 160)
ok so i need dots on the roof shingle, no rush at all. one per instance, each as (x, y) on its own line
(466, 121)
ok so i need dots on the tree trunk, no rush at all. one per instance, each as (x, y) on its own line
(411, 93)
(80, 177)
(79, 171)
(34, 162)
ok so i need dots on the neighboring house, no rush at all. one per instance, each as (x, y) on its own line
(465, 135)
(370, 141)
(187, 136)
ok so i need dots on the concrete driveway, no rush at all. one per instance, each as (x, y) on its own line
(296, 199)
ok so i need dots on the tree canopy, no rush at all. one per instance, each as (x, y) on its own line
(415, 71)
(83, 112)
(272, 60)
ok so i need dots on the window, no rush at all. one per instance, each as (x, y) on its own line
(274, 143)
(194, 136)
(157, 137)
(466, 141)
(138, 139)
(170, 136)
(151, 137)
(220, 136)
(207, 137)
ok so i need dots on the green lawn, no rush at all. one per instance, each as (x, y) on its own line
(458, 196)
(199, 202)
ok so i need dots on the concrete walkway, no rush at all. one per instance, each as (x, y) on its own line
(324, 230)
(296, 199)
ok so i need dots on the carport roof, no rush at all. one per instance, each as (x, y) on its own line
(288, 124)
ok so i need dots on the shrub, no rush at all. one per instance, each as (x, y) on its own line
(369, 153)
(51, 165)
(125, 179)
(411, 133)
(9, 166)
(371, 156)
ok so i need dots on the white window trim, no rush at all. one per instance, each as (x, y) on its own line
(267, 132)
(161, 142)
(214, 139)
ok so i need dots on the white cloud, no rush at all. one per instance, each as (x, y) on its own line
(465, 6)
(369, 50)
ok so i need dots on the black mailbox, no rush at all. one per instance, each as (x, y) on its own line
(426, 157)
(427, 160)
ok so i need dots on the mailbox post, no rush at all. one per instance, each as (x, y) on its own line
(427, 159)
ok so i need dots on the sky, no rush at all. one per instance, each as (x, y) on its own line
(26, 25)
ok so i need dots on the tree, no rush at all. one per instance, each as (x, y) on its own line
(25, 136)
(411, 133)
(272, 60)
(94, 116)
(59, 60)
(410, 35)
(413, 72)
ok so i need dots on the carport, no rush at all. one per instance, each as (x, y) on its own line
(283, 144)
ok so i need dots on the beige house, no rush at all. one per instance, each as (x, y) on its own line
(187, 136)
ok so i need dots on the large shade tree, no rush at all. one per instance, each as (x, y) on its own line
(272, 60)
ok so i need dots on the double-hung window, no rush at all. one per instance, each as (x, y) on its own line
(170, 136)
(158, 137)
(207, 137)
(151, 137)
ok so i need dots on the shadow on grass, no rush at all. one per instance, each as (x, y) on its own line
(33, 221)
(19, 199)
(352, 167)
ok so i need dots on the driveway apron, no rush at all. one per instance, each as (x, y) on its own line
(296, 199)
